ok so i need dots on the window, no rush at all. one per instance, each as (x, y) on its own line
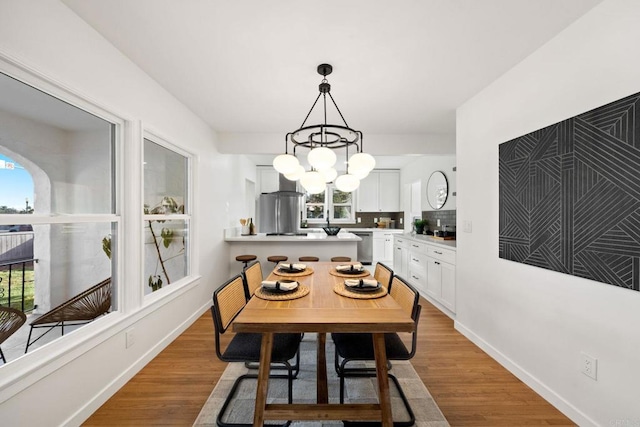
(338, 204)
(58, 189)
(166, 214)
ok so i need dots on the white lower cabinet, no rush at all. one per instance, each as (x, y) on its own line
(448, 296)
(400, 257)
(430, 268)
(418, 271)
(383, 247)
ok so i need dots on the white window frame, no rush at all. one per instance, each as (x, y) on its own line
(328, 205)
(37, 364)
(189, 276)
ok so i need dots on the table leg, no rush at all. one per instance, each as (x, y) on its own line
(322, 389)
(383, 380)
(263, 378)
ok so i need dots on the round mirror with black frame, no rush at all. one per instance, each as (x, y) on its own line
(437, 190)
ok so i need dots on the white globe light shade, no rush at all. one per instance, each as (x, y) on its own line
(347, 183)
(286, 163)
(329, 174)
(312, 182)
(295, 175)
(321, 158)
(360, 174)
(361, 162)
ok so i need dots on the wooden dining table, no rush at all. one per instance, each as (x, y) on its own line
(321, 311)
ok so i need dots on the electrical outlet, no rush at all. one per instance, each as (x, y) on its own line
(467, 227)
(400, 220)
(130, 338)
(359, 220)
(589, 365)
(438, 223)
(375, 219)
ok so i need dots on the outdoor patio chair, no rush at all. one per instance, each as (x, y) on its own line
(83, 308)
(10, 321)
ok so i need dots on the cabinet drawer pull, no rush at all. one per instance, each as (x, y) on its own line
(436, 262)
(415, 246)
(414, 277)
(436, 252)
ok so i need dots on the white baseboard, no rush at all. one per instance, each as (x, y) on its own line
(110, 389)
(577, 416)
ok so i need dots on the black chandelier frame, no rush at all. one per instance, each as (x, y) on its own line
(324, 134)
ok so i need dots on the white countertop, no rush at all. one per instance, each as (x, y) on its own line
(451, 244)
(378, 230)
(358, 230)
(311, 237)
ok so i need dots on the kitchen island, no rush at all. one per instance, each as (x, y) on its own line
(314, 243)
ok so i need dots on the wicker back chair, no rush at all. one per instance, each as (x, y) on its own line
(383, 274)
(252, 276)
(228, 301)
(83, 308)
(10, 321)
(359, 346)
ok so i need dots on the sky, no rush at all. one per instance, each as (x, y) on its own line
(16, 184)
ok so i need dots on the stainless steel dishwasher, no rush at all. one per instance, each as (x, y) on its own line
(365, 247)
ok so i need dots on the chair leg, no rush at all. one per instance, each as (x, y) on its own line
(412, 418)
(234, 389)
(368, 373)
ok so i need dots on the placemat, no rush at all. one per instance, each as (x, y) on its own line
(301, 291)
(335, 272)
(307, 271)
(341, 289)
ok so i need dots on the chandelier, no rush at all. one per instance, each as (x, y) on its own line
(322, 140)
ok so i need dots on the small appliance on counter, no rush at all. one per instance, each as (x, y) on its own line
(447, 233)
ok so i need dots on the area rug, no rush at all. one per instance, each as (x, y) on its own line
(357, 390)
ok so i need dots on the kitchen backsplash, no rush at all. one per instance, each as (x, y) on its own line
(367, 220)
(445, 217)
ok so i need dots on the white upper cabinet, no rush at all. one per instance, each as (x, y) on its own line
(268, 179)
(380, 192)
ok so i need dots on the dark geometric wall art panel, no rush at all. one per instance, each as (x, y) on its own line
(570, 196)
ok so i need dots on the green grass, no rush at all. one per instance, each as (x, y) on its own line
(16, 287)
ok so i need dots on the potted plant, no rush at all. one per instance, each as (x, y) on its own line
(419, 225)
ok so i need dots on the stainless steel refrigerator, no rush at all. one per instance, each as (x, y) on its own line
(279, 212)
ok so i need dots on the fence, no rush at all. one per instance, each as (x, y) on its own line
(17, 245)
(16, 270)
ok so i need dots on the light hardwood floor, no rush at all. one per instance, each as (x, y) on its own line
(470, 388)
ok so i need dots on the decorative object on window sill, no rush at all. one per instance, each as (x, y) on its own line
(321, 139)
(167, 206)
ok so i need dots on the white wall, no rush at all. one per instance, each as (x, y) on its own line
(420, 170)
(75, 380)
(536, 321)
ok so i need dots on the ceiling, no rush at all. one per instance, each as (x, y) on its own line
(401, 67)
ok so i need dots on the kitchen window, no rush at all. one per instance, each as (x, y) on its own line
(337, 203)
